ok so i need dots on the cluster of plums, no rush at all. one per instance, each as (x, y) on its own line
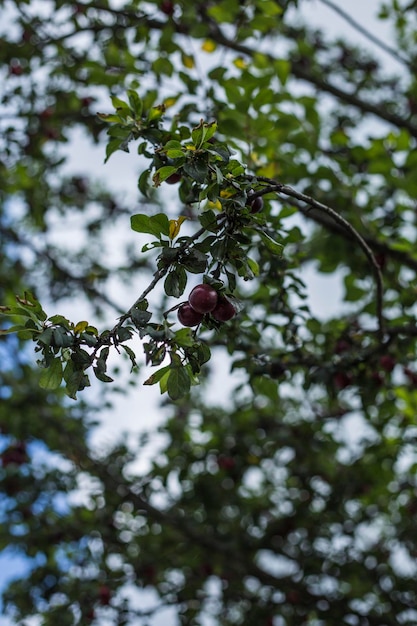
(204, 299)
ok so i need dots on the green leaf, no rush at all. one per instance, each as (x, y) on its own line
(155, 225)
(159, 224)
(157, 376)
(135, 103)
(272, 245)
(61, 321)
(140, 317)
(102, 376)
(131, 355)
(203, 132)
(46, 337)
(89, 339)
(109, 118)
(124, 334)
(185, 338)
(175, 282)
(163, 173)
(195, 261)
(113, 146)
(61, 339)
(31, 304)
(197, 170)
(143, 183)
(208, 220)
(51, 377)
(15, 310)
(75, 378)
(12, 329)
(282, 68)
(203, 353)
(253, 266)
(179, 383)
(118, 104)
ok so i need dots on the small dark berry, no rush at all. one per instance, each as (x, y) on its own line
(203, 298)
(188, 316)
(173, 179)
(387, 362)
(167, 7)
(224, 310)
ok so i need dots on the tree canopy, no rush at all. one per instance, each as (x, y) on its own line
(264, 148)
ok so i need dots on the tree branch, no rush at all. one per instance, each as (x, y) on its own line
(378, 246)
(301, 72)
(378, 42)
(274, 186)
(298, 70)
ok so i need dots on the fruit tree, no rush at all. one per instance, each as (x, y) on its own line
(268, 155)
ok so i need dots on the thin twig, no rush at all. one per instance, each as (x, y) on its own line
(159, 274)
(378, 42)
(274, 186)
(321, 82)
(297, 69)
(157, 277)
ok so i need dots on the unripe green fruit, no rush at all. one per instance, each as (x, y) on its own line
(224, 310)
(188, 316)
(203, 298)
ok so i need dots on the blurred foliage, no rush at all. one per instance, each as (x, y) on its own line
(294, 500)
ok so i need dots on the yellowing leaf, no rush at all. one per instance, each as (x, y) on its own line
(188, 61)
(80, 327)
(208, 46)
(255, 158)
(271, 170)
(240, 63)
(227, 193)
(169, 102)
(175, 225)
(215, 205)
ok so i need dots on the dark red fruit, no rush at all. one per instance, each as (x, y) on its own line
(52, 133)
(255, 204)
(412, 376)
(224, 310)
(173, 179)
(79, 9)
(226, 463)
(15, 69)
(26, 35)
(203, 298)
(104, 594)
(188, 316)
(46, 113)
(15, 455)
(148, 573)
(342, 346)
(167, 7)
(342, 380)
(293, 596)
(86, 101)
(387, 362)
(377, 379)
(381, 260)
